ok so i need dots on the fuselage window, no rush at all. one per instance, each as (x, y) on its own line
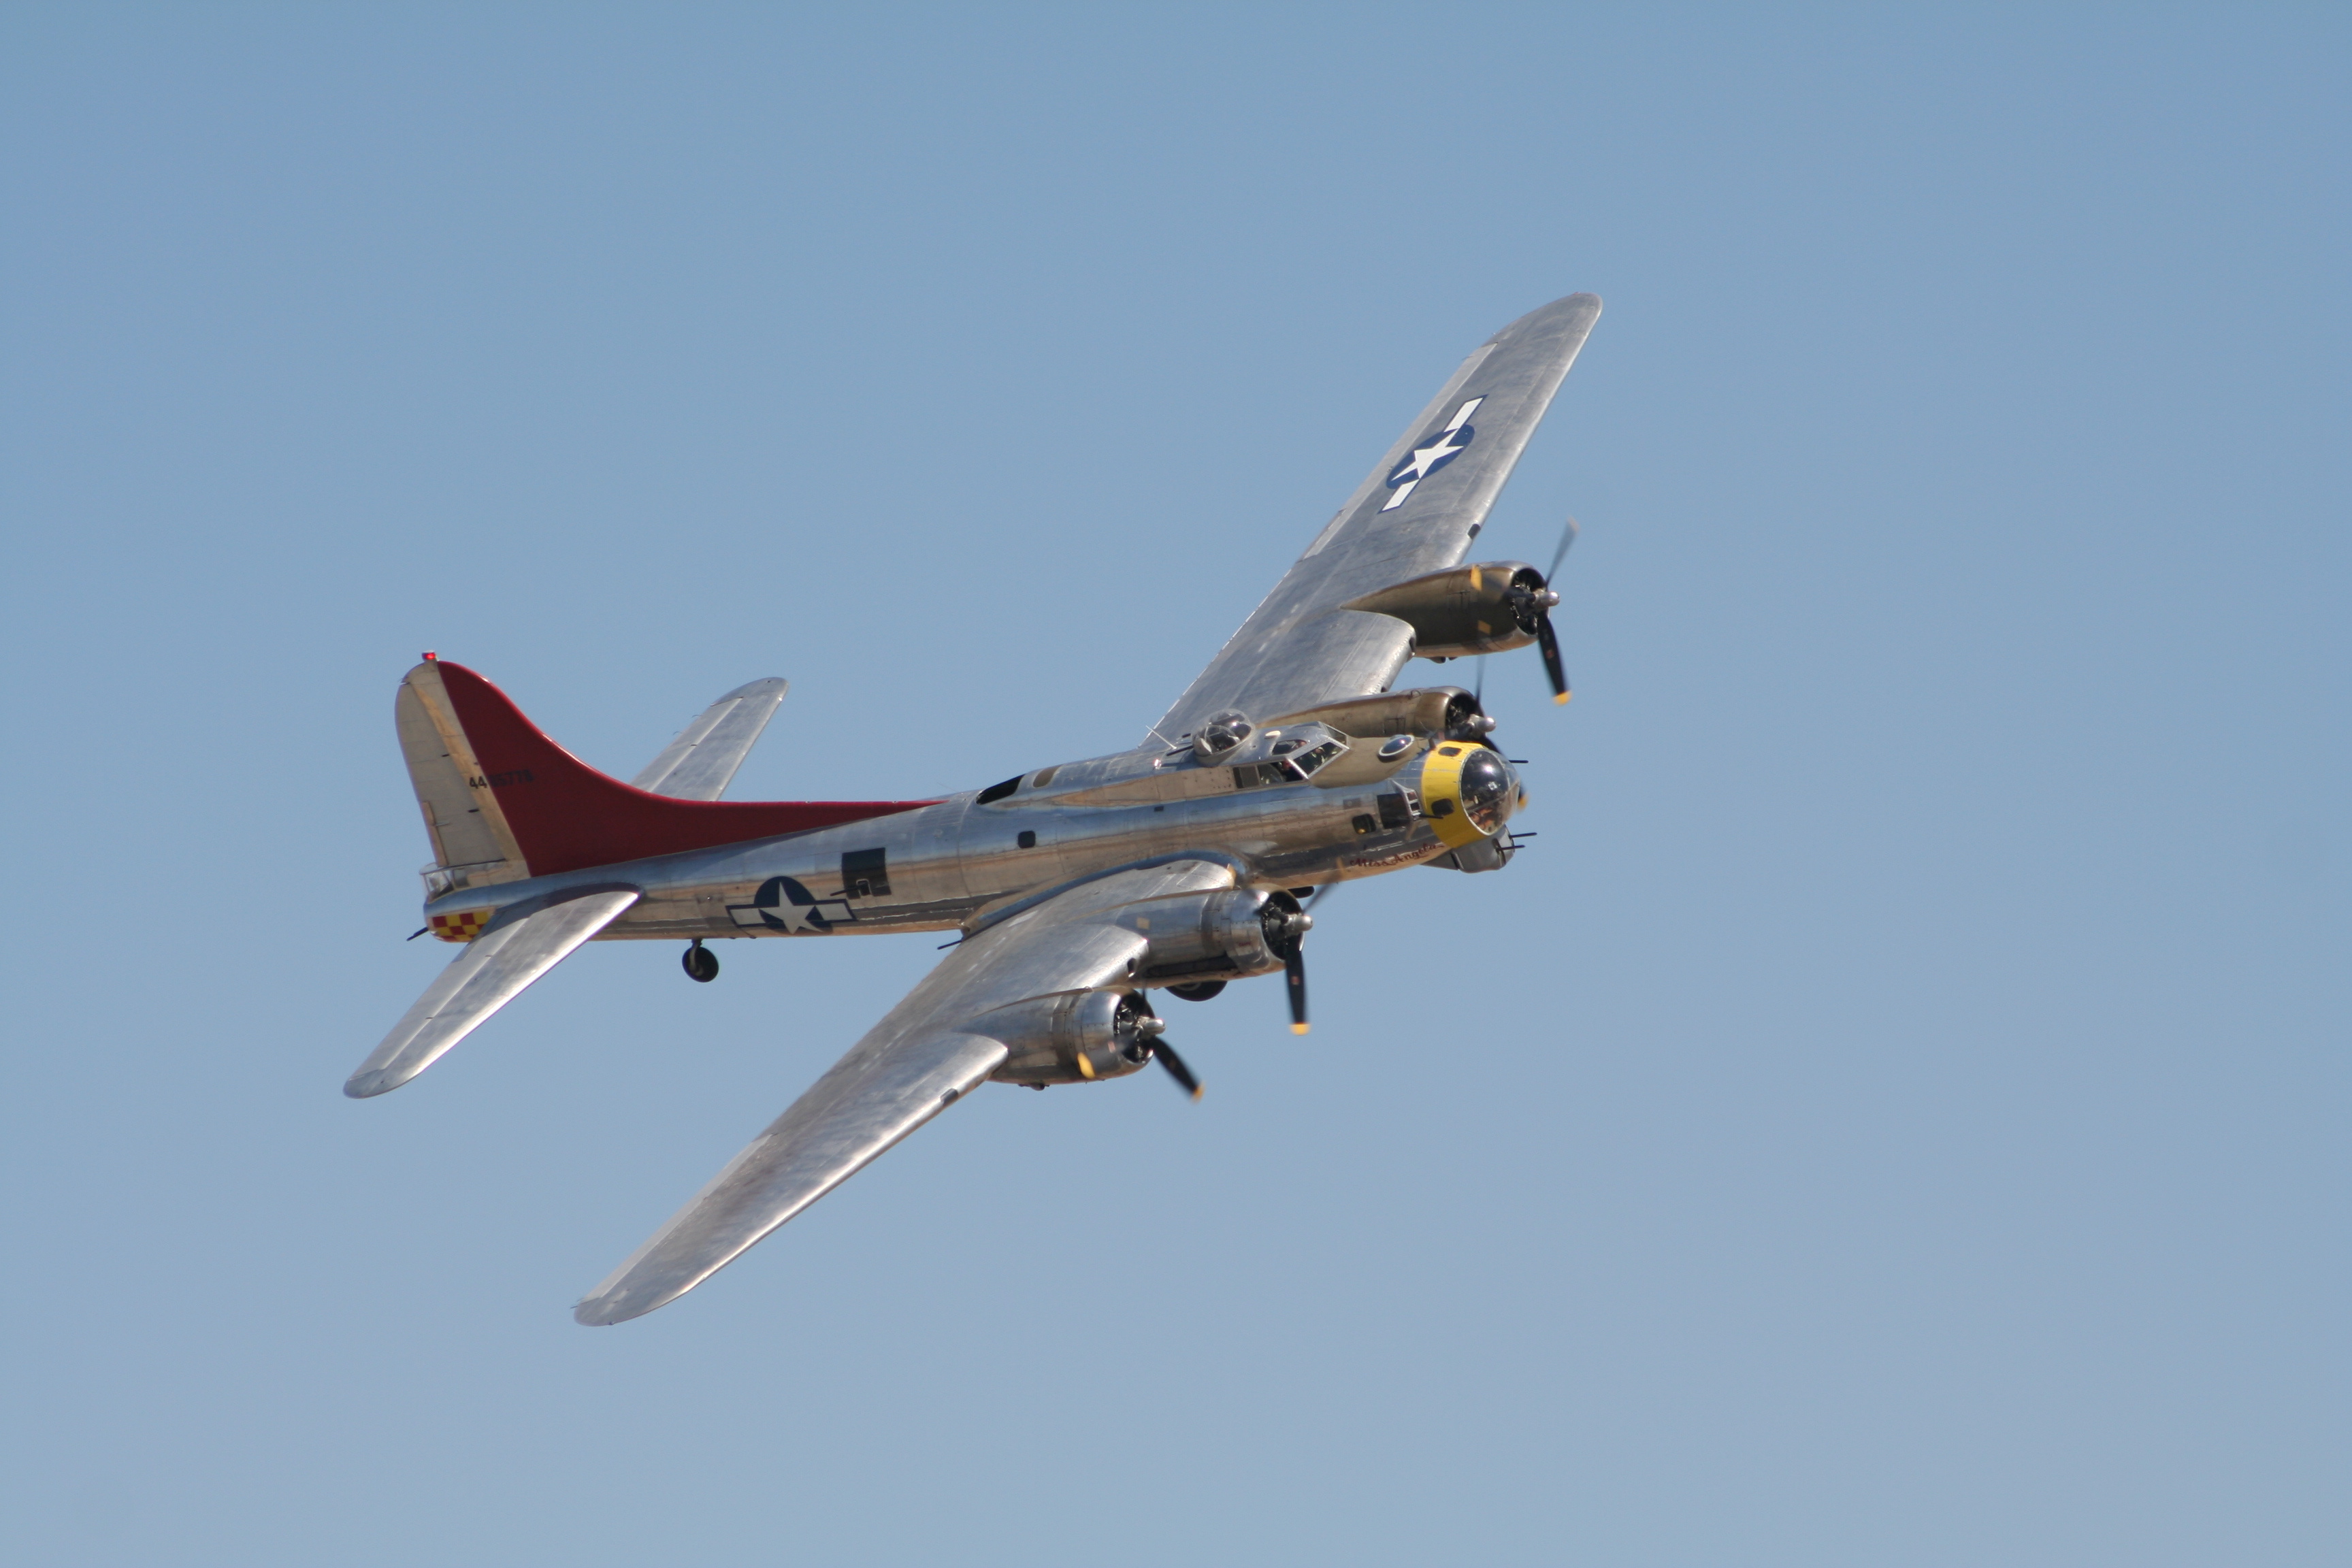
(866, 874)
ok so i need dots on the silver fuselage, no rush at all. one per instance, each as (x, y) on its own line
(950, 863)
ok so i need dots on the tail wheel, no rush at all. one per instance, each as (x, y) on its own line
(700, 962)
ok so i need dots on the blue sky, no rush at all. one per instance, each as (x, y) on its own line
(1894, 1115)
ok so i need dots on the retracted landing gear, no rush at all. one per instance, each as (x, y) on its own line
(1197, 991)
(700, 962)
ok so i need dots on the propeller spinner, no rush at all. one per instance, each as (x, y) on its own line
(1151, 1044)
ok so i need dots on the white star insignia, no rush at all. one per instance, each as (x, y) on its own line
(797, 917)
(788, 914)
(1427, 460)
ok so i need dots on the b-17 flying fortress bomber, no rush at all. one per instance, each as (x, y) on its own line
(1079, 890)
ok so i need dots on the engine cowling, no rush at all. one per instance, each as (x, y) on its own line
(1224, 935)
(1452, 711)
(1490, 607)
(1076, 1037)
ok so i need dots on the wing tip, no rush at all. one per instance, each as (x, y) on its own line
(1567, 305)
(368, 1085)
(607, 1307)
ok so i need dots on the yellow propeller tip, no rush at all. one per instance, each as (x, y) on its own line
(1562, 698)
(1298, 1028)
(1197, 1093)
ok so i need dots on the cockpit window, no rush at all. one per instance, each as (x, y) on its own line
(999, 791)
(1304, 763)
(1290, 769)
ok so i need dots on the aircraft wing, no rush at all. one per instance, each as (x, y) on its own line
(1416, 513)
(701, 763)
(492, 972)
(930, 1050)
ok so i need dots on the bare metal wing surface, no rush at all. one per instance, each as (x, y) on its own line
(702, 762)
(493, 970)
(1416, 513)
(948, 1036)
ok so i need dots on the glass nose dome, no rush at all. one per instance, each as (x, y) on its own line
(1490, 790)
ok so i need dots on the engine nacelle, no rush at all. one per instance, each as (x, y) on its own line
(1447, 710)
(1218, 936)
(1491, 607)
(1076, 1037)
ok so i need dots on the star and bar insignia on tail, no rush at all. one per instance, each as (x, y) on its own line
(1434, 452)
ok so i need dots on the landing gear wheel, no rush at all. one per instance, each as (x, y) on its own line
(1197, 991)
(700, 962)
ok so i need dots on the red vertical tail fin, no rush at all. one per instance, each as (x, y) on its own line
(502, 801)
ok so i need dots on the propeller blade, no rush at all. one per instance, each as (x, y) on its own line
(1167, 1058)
(1286, 923)
(1568, 537)
(1478, 690)
(1546, 638)
(1547, 641)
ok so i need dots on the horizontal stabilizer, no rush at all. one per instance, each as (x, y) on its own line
(491, 973)
(699, 764)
